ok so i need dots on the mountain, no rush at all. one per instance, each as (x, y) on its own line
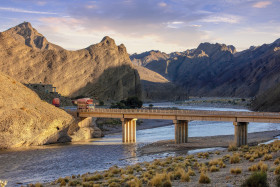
(269, 101)
(157, 88)
(103, 71)
(217, 69)
(26, 119)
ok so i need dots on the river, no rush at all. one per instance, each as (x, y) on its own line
(47, 163)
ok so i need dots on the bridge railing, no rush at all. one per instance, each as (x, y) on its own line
(181, 112)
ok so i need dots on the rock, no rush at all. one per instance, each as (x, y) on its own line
(27, 120)
(103, 71)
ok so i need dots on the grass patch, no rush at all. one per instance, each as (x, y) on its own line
(204, 179)
(235, 171)
(257, 179)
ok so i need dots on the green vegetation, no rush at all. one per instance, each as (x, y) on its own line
(257, 179)
(129, 103)
(101, 103)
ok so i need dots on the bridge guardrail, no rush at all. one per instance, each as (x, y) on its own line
(182, 112)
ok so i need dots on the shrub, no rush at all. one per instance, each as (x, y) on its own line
(114, 184)
(214, 169)
(267, 157)
(232, 147)
(277, 161)
(234, 159)
(178, 173)
(167, 183)
(277, 170)
(235, 170)
(159, 179)
(204, 179)
(93, 178)
(134, 183)
(259, 167)
(101, 103)
(38, 185)
(190, 172)
(185, 178)
(257, 179)
(74, 183)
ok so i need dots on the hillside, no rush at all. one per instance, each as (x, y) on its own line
(269, 101)
(217, 69)
(26, 119)
(103, 70)
(157, 88)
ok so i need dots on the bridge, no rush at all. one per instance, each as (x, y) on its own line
(181, 118)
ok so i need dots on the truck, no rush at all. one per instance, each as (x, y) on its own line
(84, 103)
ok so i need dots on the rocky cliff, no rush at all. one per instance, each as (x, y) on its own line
(103, 70)
(26, 119)
(217, 69)
(157, 88)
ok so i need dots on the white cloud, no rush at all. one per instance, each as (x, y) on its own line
(261, 4)
(222, 19)
(175, 24)
(24, 11)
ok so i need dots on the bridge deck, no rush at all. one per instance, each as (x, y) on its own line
(199, 115)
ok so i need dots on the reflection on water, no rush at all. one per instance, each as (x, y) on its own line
(47, 163)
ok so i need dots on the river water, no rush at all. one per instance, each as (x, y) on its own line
(47, 163)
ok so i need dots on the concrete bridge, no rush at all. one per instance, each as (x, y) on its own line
(181, 118)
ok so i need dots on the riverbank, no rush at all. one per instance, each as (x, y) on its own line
(218, 168)
(204, 142)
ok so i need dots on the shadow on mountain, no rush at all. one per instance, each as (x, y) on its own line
(269, 101)
(114, 84)
(155, 91)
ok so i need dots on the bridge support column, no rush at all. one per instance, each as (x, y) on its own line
(240, 133)
(181, 131)
(128, 130)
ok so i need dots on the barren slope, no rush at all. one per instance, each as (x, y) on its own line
(26, 119)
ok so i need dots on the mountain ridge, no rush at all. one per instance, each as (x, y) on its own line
(103, 71)
(218, 69)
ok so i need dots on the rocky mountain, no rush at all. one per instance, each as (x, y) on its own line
(157, 88)
(26, 119)
(217, 69)
(269, 101)
(103, 70)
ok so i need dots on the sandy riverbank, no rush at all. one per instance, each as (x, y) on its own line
(217, 165)
(204, 142)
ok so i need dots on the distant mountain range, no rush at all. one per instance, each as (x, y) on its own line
(217, 69)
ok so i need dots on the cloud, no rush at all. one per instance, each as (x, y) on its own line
(221, 19)
(24, 11)
(261, 4)
(162, 4)
(153, 24)
(175, 24)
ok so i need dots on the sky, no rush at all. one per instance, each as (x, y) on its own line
(143, 25)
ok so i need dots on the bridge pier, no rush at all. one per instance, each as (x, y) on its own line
(240, 133)
(128, 130)
(181, 131)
